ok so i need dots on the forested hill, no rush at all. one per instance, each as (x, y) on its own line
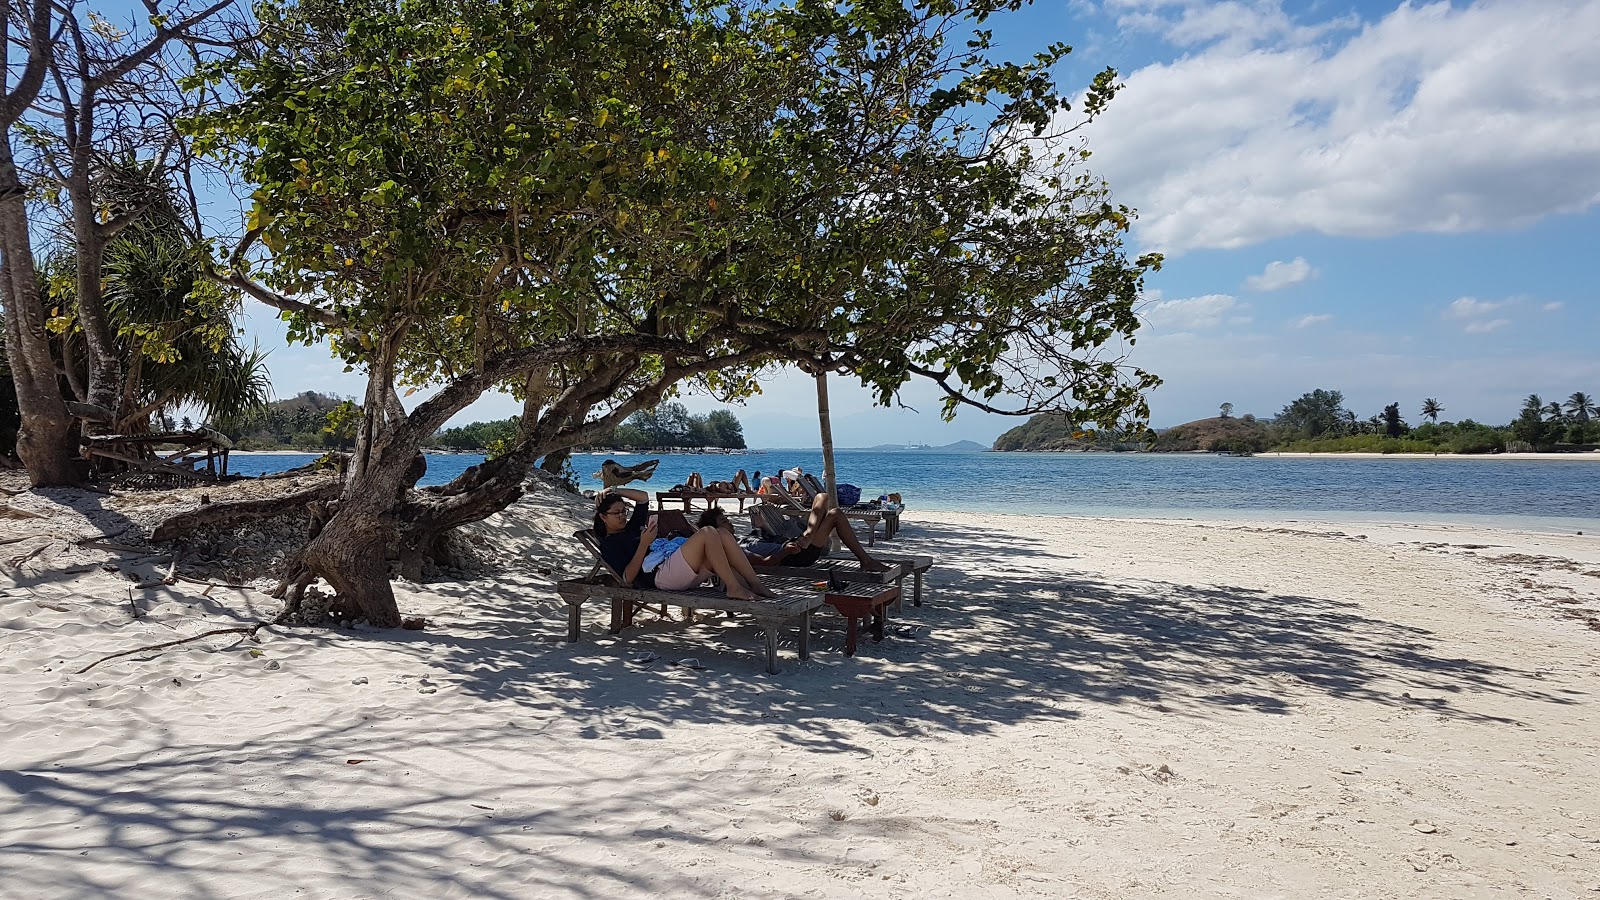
(307, 421)
(1043, 432)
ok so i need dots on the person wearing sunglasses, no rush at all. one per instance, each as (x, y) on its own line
(625, 538)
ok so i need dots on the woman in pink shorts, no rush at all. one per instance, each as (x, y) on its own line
(624, 541)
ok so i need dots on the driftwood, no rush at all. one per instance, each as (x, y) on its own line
(225, 514)
(248, 631)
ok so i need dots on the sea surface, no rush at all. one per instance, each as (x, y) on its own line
(1543, 495)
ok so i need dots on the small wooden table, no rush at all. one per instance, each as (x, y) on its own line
(857, 601)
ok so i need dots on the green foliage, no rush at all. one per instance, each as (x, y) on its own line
(173, 328)
(1360, 443)
(678, 188)
(308, 421)
(1315, 413)
(1393, 425)
(668, 426)
(479, 436)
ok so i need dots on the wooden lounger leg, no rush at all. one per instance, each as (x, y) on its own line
(771, 630)
(916, 591)
(574, 620)
(805, 635)
(880, 617)
(850, 631)
(618, 615)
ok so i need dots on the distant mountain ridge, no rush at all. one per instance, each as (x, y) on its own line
(957, 447)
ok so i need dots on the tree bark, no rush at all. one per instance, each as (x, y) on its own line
(105, 368)
(47, 441)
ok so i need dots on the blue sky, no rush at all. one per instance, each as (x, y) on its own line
(1397, 202)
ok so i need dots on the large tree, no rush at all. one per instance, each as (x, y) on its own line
(1580, 407)
(1316, 413)
(593, 202)
(84, 92)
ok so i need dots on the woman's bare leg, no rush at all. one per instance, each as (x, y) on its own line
(741, 563)
(741, 481)
(704, 551)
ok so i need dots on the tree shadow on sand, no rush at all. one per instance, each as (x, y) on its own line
(1011, 632)
(206, 819)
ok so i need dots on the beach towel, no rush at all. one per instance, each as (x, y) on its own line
(660, 549)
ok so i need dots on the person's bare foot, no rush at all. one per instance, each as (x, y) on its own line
(763, 590)
(740, 595)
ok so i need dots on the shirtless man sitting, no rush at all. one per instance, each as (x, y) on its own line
(823, 522)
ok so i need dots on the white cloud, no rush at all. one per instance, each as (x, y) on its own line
(1193, 313)
(1280, 274)
(1486, 326)
(1552, 307)
(1473, 308)
(1309, 320)
(1414, 123)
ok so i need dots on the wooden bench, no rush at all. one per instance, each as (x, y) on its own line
(861, 601)
(916, 565)
(796, 599)
(846, 569)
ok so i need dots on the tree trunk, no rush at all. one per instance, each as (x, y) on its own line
(46, 442)
(824, 417)
(105, 368)
(352, 554)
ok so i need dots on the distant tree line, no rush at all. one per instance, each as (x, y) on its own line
(668, 426)
(1318, 421)
(308, 421)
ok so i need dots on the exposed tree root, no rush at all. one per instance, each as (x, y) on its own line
(229, 514)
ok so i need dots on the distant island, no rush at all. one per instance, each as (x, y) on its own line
(1318, 422)
(957, 447)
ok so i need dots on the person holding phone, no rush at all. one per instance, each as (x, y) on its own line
(625, 539)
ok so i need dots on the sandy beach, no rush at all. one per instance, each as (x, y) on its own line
(1088, 708)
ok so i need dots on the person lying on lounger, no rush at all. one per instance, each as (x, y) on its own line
(698, 485)
(822, 523)
(614, 474)
(625, 541)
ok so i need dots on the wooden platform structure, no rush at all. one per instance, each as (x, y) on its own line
(150, 460)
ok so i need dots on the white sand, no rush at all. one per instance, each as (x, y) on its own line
(1083, 708)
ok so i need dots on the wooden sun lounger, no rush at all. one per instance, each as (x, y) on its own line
(794, 603)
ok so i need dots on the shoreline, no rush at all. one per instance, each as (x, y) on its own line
(1583, 456)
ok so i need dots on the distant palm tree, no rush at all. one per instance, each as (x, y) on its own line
(1553, 412)
(1581, 406)
(1431, 409)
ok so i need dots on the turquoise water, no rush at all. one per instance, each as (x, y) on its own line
(1557, 495)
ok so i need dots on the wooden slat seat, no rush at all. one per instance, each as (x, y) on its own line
(795, 601)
